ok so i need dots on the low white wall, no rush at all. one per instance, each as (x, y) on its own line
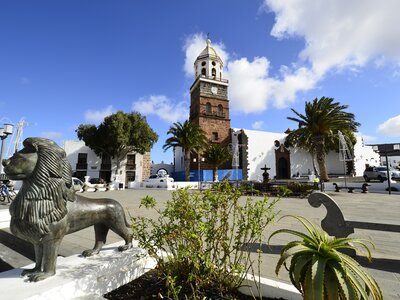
(90, 278)
(165, 185)
(79, 277)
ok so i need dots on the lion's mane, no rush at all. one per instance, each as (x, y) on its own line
(43, 196)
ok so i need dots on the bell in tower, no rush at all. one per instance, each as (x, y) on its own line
(208, 64)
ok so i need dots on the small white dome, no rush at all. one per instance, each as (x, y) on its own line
(208, 63)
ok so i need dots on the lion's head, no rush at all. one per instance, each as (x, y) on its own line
(47, 183)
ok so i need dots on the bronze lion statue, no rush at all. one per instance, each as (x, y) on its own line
(46, 207)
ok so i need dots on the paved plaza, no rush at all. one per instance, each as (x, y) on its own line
(371, 207)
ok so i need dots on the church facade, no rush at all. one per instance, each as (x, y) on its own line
(252, 151)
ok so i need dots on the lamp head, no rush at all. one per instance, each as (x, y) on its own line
(8, 128)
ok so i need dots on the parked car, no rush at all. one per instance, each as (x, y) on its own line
(380, 173)
(157, 178)
(394, 173)
(97, 181)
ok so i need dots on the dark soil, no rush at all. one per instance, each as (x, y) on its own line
(150, 286)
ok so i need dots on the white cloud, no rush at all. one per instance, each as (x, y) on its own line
(366, 138)
(252, 89)
(257, 124)
(391, 127)
(339, 33)
(52, 135)
(193, 46)
(98, 116)
(162, 107)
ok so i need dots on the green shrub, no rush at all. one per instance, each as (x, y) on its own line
(249, 189)
(199, 240)
(284, 191)
(300, 188)
(319, 271)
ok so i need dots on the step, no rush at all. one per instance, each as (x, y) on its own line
(10, 259)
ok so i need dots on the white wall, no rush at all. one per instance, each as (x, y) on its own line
(261, 151)
(72, 148)
(300, 162)
(363, 155)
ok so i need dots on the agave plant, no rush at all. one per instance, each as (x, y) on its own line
(320, 271)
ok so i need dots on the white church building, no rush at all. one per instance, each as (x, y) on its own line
(258, 149)
(209, 108)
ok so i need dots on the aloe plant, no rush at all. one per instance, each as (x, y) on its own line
(320, 271)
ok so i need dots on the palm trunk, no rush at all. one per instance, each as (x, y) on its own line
(313, 163)
(215, 174)
(319, 143)
(187, 165)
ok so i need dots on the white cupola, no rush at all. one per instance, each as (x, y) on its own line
(208, 64)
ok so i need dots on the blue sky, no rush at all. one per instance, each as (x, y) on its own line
(64, 63)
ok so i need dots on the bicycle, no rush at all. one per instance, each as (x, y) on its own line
(6, 193)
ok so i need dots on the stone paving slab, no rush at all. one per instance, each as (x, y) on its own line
(371, 207)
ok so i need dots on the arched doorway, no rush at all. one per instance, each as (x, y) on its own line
(282, 169)
(282, 162)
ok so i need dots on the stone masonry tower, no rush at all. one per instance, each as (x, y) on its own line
(209, 104)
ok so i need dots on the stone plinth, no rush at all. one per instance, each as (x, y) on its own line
(80, 277)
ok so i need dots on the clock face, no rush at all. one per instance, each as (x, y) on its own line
(214, 90)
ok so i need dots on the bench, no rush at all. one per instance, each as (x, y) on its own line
(350, 189)
(335, 223)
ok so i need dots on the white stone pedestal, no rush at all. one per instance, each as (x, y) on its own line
(79, 277)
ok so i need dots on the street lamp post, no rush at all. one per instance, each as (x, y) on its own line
(199, 160)
(4, 133)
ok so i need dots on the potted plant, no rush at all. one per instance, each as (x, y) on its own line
(320, 271)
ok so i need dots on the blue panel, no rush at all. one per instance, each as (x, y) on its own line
(207, 175)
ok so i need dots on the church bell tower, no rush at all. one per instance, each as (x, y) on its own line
(209, 104)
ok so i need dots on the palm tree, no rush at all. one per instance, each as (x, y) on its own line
(318, 127)
(190, 137)
(216, 155)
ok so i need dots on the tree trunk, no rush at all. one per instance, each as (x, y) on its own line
(319, 143)
(313, 164)
(187, 165)
(215, 174)
(117, 166)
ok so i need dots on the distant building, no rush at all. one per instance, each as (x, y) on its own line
(84, 162)
(260, 148)
(162, 169)
(209, 108)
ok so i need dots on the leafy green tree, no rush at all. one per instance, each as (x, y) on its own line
(190, 137)
(318, 127)
(118, 135)
(216, 155)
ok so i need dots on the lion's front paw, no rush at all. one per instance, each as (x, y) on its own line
(90, 252)
(40, 276)
(29, 271)
(125, 247)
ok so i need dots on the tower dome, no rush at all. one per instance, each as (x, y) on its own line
(208, 64)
